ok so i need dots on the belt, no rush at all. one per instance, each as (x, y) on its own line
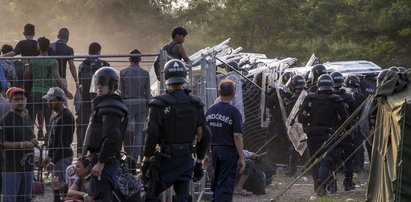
(221, 146)
(177, 150)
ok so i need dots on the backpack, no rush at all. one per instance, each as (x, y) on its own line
(85, 74)
(256, 181)
(129, 187)
(156, 64)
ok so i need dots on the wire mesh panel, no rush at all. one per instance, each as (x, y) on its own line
(254, 135)
(43, 133)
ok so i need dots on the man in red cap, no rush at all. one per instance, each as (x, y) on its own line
(17, 136)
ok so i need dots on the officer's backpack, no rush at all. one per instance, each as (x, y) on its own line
(323, 111)
(178, 115)
(156, 64)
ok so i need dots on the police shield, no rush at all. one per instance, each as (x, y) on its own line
(294, 128)
(363, 122)
(266, 81)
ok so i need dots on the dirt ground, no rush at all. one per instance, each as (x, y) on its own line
(303, 190)
(300, 191)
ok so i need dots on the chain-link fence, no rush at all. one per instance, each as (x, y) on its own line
(39, 138)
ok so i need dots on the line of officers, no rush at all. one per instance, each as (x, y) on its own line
(177, 137)
(330, 101)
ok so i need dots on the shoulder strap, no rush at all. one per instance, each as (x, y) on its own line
(170, 47)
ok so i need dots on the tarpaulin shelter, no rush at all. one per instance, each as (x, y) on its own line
(390, 175)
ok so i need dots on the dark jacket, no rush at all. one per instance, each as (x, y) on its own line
(107, 126)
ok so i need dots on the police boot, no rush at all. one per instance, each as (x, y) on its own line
(348, 183)
(332, 186)
(321, 190)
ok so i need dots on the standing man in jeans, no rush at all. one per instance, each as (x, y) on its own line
(16, 133)
(224, 121)
(60, 154)
(135, 92)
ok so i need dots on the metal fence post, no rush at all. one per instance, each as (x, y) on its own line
(203, 87)
(190, 76)
(163, 60)
(211, 90)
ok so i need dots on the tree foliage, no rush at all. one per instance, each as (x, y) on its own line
(376, 30)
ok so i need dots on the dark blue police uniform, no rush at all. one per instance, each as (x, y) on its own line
(172, 124)
(347, 145)
(224, 120)
(325, 113)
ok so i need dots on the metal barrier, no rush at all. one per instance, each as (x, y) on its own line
(40, 153)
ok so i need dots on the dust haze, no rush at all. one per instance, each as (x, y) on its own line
(119, 26)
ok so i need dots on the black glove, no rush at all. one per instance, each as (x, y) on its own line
(198, 172)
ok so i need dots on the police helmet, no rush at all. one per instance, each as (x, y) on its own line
(318, 70)
(286, 76)
(229, 67)
(382, 75)
(175, 72)
(325, 82)
(372, 76)
(402, 69)
(298, 82)
(338, 79)
(352, 81)
(394, 69)
(105, 76)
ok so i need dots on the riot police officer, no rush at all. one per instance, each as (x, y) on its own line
(176, 120)
(368, 84)
(353, 86)
(105, 132)
(402, 69)
(286, 76)
(394, 69)
(276, 130)
(321, 114)
(381, 76)
(347, 145)
(296, 85)
(316, 72)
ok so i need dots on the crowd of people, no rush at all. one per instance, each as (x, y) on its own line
(111, 110)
